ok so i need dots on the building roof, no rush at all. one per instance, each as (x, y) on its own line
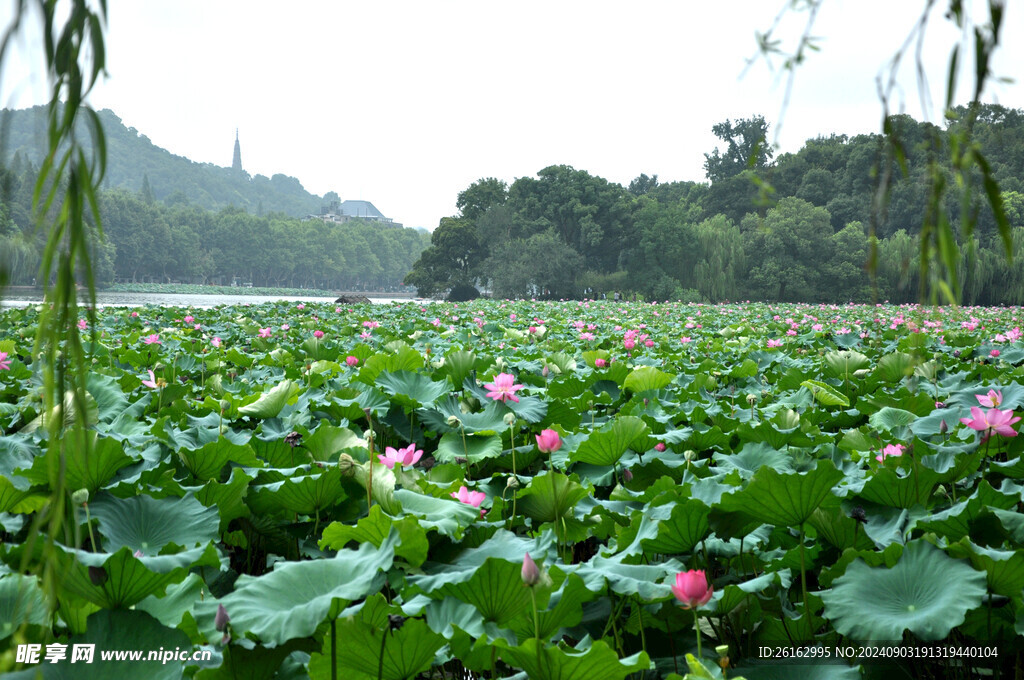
(359, 209)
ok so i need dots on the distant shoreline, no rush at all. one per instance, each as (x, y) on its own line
(195, 289)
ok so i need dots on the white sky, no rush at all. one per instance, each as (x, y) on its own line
(406, 103)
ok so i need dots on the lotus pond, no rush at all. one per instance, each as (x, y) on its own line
(508, 490)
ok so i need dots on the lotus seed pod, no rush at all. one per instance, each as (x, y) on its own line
(861, 372)
(689, 455)
(722, 650)
(512, 483)
(346, 465)
(79, 497)
(453, 421)
(751, 399)
(510, 419)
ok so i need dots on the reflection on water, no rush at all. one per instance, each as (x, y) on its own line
(108, 299)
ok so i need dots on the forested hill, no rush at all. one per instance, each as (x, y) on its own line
(132, 160)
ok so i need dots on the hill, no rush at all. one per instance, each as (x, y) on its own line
(132, 160)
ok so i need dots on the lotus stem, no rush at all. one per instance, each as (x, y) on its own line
(380, 660)
(696, 629)
(803, 570)
(334, 649)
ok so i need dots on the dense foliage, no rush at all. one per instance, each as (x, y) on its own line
(837, 474)
(799, 228)
(146, 240)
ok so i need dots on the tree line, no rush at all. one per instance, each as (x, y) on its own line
(147, 240)
(808, 226)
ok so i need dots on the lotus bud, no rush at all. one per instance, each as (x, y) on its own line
(512, 483)
(530, 572)
(544, 371)
(943, 427)
(510, 419)
(453, 421)
(689, 455)
(861, 372)
(293, 439)
(80, 497)
(221, 619)
(346, 464)
(627, 476)
(859, 515)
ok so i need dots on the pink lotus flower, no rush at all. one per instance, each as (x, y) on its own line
(692, 588)
(215, 342)
(600, 363)
(660, 446)
(890, 450)
(994, 421)
(318, 334)
(134, 315)
(994, 353)
(285, 327)
(991, 400)
(530, 572)
(548, 441)
(351, 360)
(503, 388)
(153, 339)
(403, 457)
(301, 305)
(5, 362)
(474, 498)
(265, 332)
(151, 383)
(774, 343)
(82, 324)
(586, 336)
(685, 340)
(189, 319)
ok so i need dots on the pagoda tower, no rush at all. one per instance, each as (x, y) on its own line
(236, 162)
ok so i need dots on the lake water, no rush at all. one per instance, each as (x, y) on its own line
(108, 299)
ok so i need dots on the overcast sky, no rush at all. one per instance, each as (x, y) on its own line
(406, 103)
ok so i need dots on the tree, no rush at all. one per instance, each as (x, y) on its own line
(791, 243)
(746, 147)
(540, 266)
(643, 185)
(454, 257)
(481, 196)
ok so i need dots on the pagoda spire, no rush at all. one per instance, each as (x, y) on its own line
(236, 162)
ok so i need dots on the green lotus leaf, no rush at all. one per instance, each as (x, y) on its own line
(751, 458)
(21, 601)
(110, 399)
(495, 589)
(734, 594)
(303, 493)
(148, 524)
(796, 671)
(503, 545)
(297, 597)
(207, 461)
(178, 599)
(598, 662)
(608, 444)
(647, 378)
(784, 499)
(328, 441)
(490, 419)
(927, 593)
(375, 528)
(843, 363)
(447, 516)
(14, 499)
(89, 468)
(894, 367)
(70, 409)
(458, 365)
(890, 419)
(649, 581)
(1004, 569)
(117, 629)
(530, 409)
(901, 490)
(412, 390)
(825, 394)
(272, 401)
(407, 651)
(550, 496)
(121, 579)
(682, 531)
(228, 497)
(474, 447)
(401, 357)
